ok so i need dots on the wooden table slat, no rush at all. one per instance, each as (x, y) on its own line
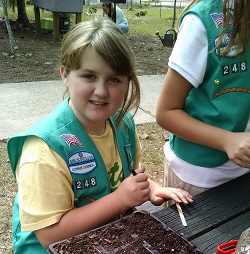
(210, 209)
(217, 215)
(224, 233)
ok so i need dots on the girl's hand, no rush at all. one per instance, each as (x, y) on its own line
(134, 190)
(238, 148)
(160, 194)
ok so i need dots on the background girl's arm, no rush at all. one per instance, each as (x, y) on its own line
(170, 116)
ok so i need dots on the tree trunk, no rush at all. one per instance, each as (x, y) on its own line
(22, 16)
(13, 46)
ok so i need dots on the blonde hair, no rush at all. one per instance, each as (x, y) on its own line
(240, 25)
(112, 45)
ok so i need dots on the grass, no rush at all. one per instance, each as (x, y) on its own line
(155, 19)
(151, 137)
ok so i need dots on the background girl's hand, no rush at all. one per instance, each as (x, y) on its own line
(238, 148)
(134, 190)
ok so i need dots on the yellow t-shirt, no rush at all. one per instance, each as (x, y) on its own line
(45, 183)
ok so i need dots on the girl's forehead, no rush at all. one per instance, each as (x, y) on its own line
(91, 60)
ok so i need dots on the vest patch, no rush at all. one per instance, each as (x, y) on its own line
(71, 140)
(81, 162)
(218, 19)
(225, 42)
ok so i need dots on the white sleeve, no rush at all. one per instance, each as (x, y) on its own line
(189, 55)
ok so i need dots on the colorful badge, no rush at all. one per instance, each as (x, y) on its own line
(81, 162)
(71, 140)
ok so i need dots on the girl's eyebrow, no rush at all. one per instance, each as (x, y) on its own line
(94, 72)
(88, 71)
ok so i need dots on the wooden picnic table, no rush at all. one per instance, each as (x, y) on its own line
(55, 22)
(216, 216)
(57, 7)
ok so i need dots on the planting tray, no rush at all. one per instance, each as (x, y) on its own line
(139, 232)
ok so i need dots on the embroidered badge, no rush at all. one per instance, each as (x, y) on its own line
(225, 41)
(71, 140)
(218, 19)
(81, 162)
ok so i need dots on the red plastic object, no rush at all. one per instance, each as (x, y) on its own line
(227, 248)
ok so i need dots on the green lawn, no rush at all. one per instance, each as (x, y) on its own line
(155, 18)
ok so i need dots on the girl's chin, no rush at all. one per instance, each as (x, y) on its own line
(101, 115)
(99, 119)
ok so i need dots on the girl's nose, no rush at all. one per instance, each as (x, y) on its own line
(101, 89)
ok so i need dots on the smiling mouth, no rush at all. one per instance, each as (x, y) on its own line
(98, 103)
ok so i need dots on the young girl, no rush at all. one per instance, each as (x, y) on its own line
(205, 99)
(117, 15)
(73, 167)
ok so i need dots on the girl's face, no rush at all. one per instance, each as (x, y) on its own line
(96, 91)
(105, 10)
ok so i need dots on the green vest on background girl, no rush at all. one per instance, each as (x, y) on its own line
(83, 159)
(223, 99)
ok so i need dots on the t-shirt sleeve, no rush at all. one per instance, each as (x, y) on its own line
(44, 186)
(189, 55)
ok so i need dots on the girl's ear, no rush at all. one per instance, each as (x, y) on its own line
(64, 75)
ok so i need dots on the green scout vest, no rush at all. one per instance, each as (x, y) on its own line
(223, 99)
(63, 133)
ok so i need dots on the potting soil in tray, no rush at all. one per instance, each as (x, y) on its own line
(138, 233)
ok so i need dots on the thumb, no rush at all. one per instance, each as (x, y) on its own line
(140, 170)
(157, 201)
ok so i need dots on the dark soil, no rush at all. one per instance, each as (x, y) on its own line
(138, 233)
(37, 57)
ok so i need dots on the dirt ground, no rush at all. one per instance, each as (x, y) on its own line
(37, 56)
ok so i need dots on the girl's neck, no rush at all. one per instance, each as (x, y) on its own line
(100, 130)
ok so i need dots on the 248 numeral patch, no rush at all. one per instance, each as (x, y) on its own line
(234, 68)
(86, 183)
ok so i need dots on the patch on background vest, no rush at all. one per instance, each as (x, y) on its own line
(225, 42)
(218, 19)
(81, 162)
(71, 140)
